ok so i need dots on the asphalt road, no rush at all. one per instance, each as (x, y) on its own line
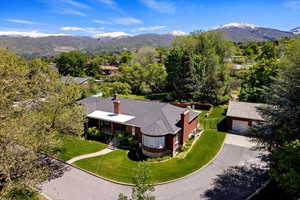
(234, 174)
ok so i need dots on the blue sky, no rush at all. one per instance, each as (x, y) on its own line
(94, 17)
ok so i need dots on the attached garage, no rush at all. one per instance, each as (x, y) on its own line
(241, 115)
(240, 126)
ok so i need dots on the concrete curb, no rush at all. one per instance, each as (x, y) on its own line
(156, 184)
(204, 166)
(258, 190)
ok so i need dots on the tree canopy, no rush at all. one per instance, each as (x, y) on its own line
(35, 108)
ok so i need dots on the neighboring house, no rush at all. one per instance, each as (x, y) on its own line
(83, 81)
(109, 70)
(160, 128)
(242, 115)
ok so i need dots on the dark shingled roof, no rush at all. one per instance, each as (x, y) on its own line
(154, 118)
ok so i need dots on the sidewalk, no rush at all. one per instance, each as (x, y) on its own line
(99, 153)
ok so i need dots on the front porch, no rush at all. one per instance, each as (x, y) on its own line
(107, 127)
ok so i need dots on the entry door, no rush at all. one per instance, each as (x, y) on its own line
(239, 126)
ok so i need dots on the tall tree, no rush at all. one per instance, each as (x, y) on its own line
(208, 72)
(72, 63)
(145, 56)
(35, 108)
(185, 83)
(280, 136)
(256, 78)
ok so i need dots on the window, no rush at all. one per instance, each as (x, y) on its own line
(154, 142)
(133, 131)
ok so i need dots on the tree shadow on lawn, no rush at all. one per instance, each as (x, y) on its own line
(237, 182)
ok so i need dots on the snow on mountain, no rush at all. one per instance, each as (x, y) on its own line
(296, 31)
(112, 35)
(177, 33)
(237, 25)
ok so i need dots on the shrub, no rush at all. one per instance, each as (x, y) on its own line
(93, 133)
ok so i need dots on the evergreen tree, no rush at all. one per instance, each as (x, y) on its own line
(281, 134)
(185, 83)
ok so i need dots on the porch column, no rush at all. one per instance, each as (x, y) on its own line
(112, 127)
(99, 126)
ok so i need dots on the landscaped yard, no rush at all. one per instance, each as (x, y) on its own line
(118, 166)
(211, 122)
(75, 146)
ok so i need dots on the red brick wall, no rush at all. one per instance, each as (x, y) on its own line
(170, 142)
(154, 150)
(187, 128)
(117, 107)
(138, 134)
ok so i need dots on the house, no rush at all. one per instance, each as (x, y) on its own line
(160, 128)
(83, 81)
(242, 115)
(109, 70)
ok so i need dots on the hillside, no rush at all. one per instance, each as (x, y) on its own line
(48, 46)
(247, 32)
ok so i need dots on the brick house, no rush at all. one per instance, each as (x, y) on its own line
(242, 115)
(160, 128)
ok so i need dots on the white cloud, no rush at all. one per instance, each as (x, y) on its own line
(21, 21)
(151, 28)
(72, 12)
(101, 21)
(111, 35)
(177, 33)
(294, 4)
(34, 34)
(110, 3)
(92, 30)
(75, 4)
(162, 6)
(127, 21)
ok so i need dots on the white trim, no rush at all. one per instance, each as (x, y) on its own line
(108, 116)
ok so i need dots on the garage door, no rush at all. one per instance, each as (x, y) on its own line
(239, 126)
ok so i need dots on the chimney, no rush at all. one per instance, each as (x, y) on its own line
(117, 107)
(185, 126)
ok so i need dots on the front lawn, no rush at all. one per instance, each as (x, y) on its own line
(75, 146)
(117, 166)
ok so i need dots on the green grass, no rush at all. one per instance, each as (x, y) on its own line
(132, 96)
(202, 114)
(75, 146)
(211, 122)
(218, 112)
(117, 166)
(154, 96)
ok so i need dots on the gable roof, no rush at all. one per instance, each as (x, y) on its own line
(244, 110)
(78, 80)
(154, 118)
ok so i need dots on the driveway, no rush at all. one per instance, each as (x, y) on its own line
(229, 176)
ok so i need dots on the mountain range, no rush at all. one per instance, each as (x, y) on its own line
(53, 45)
